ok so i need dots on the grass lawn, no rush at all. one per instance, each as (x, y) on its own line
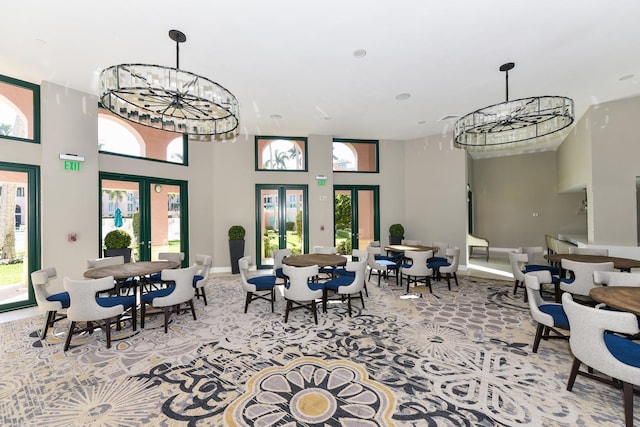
(10, 274)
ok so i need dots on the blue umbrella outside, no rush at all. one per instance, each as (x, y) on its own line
(117, 218)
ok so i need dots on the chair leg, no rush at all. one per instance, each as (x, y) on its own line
(325, 297)
(107, 330)
(167, 313)
(68, 340)
(574, 373)
(455, 276)
(247, 301)
(273, 298)
(48, 320)
(365, 289)
(349, 302)
(536, 340)
(286, 311)
(515, 286)
(362, 300)
(628, 403)
(315, 311)
(448, 280)
(193, 309)
(204, 296)
(134, 316)
(142, 314)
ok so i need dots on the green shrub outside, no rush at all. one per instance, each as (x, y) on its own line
(117, 239)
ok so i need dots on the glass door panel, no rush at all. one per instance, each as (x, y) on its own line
(120, 209)
(165, 217)
(19, 234)
(281, 221)
(356, 217)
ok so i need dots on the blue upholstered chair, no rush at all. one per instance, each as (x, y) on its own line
(257, 287)
(84, 306)
(179, 290)
(202, 265)
(595, 343)
(348, 285)
(382, 267)
(581, 281)
(439, 255)
(302, 291)
(418, 270)
(550, 316)
(166, 256)
(278, 257)
(47, 298)
(447, 268)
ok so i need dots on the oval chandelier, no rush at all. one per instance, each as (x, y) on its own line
(169, 99)
(513, 122)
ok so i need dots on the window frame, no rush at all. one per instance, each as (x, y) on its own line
(302, 139)
(375, 142)
(185, 142)
(35, 90)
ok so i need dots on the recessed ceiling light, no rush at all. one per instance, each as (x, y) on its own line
(359, 53)
(421, 122)
(627, 77)
(276, 116)
(403, 96)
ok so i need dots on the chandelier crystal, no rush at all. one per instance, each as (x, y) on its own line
(519, 122)
(169, 99)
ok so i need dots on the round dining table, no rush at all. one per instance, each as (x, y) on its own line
(131, 269)
(623, 264)
(321, 260)
(625, 298)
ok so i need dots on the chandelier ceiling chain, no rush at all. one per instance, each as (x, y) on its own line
(169, 99)
(522, 122)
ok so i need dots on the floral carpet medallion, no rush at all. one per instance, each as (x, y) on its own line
(311, 391)
(459, 357)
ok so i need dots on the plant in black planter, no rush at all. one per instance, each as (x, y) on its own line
(236, 246)
(117, 243)
(396, 234)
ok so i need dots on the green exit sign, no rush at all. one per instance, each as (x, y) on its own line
(71, 165)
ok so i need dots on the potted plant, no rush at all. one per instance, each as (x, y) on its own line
(396, 234)
(116, 243)
(236, 246)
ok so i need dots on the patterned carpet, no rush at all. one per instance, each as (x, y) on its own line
(451, 358)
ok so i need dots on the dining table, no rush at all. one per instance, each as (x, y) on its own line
(130, 270)
(625, 298)
(321, 260)
(414, 248)
(622, 264)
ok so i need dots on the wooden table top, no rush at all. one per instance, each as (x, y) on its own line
(414, 248)
(321, 260)
(626, 298)
(619, 263)
(132, 269)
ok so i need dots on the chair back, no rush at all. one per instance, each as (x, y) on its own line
(279, 256)
(331, 250)
(183, 291)
(410, 242)
(243, 266)
(442, 249)
(105, 262)
(298, 287)
(359, 267)
(40, 280)
(518, 262)
(588, 328)
(83, 306)
(171, 256)
(533, 281)
(361, 255)
(583, 273)
(616, 278)
(203, 265)
(418, 263)
(453, 255)
(372, 251)
(589, 251)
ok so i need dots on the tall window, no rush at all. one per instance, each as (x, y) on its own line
(19, 110)
(281, 153)
(119, 136)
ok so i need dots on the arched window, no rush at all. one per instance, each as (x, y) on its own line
(115, 137)
(175, 150)
(344, 157)
(281, 153)
(355, 155)
(19, 110)
(12, 121)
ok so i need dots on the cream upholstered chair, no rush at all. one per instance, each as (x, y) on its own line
(46, 297)
(518, 262)
(324, 250)
(179, 290)
(105, 262)
(203, 265)
(616, 278)
(532, 262)
(171, 256)
(550, 316)
(589, 251)
(410, 242)
(257, 287)
(382, 267)
(477, 242)
(595, 343)
(356, 255)
(278, 257)
(440, 254)
(448, 268)
(86, 307)
(301, 291)
(418, 268)
(581, 280)
(348, 285)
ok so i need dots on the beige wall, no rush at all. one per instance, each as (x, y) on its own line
(507, 191)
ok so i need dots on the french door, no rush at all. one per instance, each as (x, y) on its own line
(356, 216)
(281, 221)
(152, 210)
(19, 233)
